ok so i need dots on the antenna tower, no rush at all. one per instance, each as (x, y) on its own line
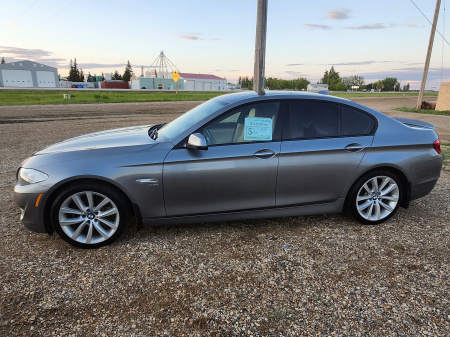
(162, 64)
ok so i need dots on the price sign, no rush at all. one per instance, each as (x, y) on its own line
(258, 129)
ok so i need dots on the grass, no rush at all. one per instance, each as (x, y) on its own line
(380, 94)
(422, 111)
(40, 97)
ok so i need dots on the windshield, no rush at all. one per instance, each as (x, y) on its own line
(190, 118)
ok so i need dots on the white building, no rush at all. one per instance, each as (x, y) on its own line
(202, 82)
(28, 74)
(187, 81)
(315, 87)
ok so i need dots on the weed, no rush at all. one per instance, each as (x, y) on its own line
(422, 111)
(278, 315)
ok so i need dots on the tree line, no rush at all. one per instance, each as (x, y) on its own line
(276, 83)
(77, 75)
(333, 79)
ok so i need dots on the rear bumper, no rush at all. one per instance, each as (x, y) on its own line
(421, 190)
(425, 176)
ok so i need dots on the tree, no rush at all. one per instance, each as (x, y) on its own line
(3, 61)
(128, 73)
(406, 87)
(369, 86)
(116, 76)
(333, 80)
(75, 75)
(280, 84)
(353, 81)
(246, 83)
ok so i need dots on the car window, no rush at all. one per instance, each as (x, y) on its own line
(356, 123)
(314, 119)
(248, 123)
(190, 118)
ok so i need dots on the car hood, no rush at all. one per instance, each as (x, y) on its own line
(123, 137)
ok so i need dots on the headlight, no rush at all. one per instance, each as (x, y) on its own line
(31, 176)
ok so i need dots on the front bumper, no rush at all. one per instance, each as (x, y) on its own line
(32, 213)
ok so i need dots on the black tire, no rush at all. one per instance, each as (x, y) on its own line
(375, 197)
(89, 215)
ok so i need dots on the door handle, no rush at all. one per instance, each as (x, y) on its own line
(265, 154)
(354, 147)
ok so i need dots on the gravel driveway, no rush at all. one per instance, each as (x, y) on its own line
(312, 275)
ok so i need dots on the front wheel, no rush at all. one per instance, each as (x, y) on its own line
(375, 197)
(89, 215)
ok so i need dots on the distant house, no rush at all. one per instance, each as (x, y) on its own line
(187, 81)
(315, 87)
(200, 82)
(28, 74)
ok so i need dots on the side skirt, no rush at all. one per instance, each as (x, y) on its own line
(332, 207)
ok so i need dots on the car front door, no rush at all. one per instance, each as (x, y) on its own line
(323, 144)
(238, 170)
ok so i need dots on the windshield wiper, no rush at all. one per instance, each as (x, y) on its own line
(153, 131)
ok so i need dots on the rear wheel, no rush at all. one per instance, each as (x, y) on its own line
(89, 215)
(375, 197)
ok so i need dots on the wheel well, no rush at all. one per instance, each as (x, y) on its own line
(55, 193)
(406, 187)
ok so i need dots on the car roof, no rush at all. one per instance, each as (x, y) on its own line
(252, 96)
(274, 94)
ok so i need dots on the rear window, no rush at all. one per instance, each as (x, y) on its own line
(314, 119)
(321, 119)
(355, 122)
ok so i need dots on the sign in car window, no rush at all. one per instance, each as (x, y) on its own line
(258, 128)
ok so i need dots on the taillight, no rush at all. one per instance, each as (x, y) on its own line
(437, 145)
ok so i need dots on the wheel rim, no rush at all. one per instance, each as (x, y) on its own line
(89, 217)
(377, 198)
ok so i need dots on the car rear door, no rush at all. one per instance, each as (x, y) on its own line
(323, 144)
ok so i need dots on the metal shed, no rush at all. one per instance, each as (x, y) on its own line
(28, 74)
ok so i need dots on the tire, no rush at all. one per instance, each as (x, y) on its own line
(375, 197)
(89, 215)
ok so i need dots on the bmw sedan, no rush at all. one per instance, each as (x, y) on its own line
(237, 156)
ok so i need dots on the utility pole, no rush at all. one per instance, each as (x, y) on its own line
(427, 61)
(260, 47)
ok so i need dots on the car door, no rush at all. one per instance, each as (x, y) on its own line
(238, 170)
(323, 144)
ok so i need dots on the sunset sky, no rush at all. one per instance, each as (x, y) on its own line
(374, 39)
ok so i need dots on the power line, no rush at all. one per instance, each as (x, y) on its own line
(430, 21)
(23, 13)
(42, 22)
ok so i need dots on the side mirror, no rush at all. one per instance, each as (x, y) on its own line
(197, 141)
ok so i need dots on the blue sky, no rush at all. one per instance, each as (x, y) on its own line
(374, 39)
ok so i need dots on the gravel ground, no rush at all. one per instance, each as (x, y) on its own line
(302, 276)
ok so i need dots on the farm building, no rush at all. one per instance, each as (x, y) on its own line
(159, 76)
(187, 81)
(315, 87)
(28, 74)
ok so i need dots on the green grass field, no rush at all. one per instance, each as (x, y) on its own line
(430, 112)
(33, 97)
(379, 94)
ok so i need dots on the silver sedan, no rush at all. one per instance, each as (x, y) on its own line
(237, 156)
